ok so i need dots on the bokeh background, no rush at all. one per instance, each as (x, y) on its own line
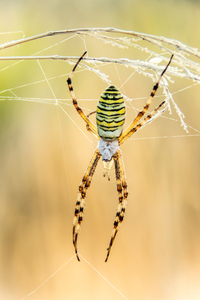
(43, 155)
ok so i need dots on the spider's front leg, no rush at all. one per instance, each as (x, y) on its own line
(74, 100)
(85, 184)
(88, 126)
(133, 127)
(122, 194)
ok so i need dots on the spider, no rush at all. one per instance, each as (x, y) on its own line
(110, 118)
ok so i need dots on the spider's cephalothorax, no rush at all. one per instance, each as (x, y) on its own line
(110, 117)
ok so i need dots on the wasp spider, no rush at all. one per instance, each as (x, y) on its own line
(110, 117)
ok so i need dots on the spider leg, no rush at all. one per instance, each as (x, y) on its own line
(107, 165)
(126, 134)
(138, 126)
(122, 194)
(88, 127)
(75, 103)
(85, 184)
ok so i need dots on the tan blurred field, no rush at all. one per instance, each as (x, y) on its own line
(43, 155)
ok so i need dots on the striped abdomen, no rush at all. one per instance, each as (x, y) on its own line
(110, 115)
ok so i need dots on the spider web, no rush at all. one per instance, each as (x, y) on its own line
(45, 150)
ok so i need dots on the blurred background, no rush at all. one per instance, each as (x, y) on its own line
(43, 155)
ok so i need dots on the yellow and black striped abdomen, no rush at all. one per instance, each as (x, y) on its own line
(110, 115)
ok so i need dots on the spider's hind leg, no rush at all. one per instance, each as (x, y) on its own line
(85, 184)
(123, 195)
